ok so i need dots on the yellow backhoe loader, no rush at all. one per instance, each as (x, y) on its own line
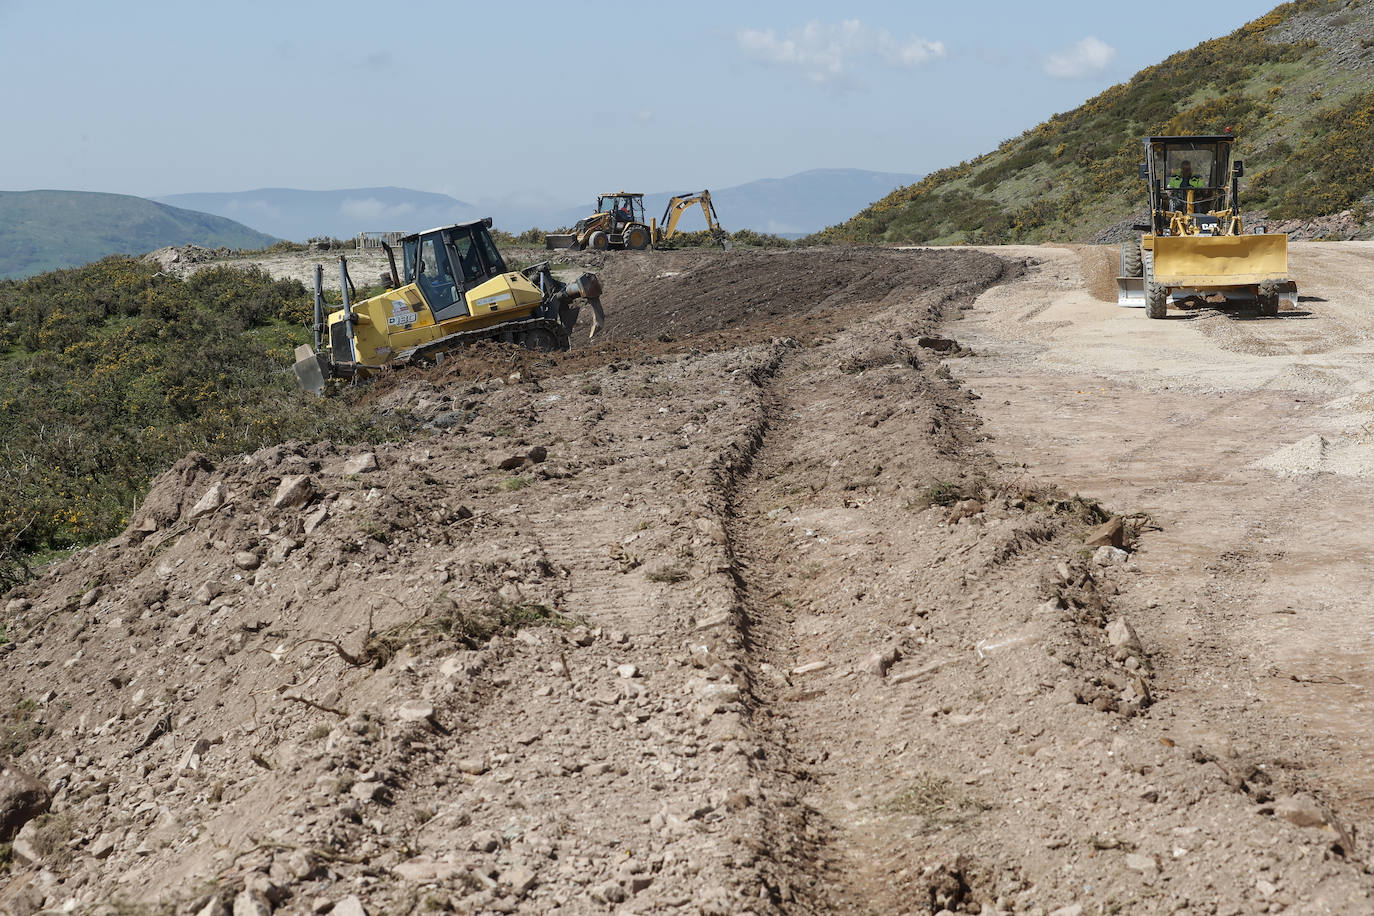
(1195, 244)
(454, 289)
(619, 223)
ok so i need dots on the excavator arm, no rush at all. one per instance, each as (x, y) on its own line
(672, 213)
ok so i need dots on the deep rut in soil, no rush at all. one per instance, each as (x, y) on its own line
(832, 884)
(817, 450)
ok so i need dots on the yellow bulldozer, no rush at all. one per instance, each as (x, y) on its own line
(619, 223)
(1195, 244)
(453, 289)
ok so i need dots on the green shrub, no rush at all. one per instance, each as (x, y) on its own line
(111, 372)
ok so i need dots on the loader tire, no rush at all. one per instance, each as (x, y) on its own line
(598, 241)
(637, 238)
(1156, 300)
(1131, 263)
(1269, 299)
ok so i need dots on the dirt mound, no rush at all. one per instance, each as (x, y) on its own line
(451, 669)
(650, 294)
(648, 627)
(184, 259)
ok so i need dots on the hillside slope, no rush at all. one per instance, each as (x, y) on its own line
(301, 215)
(1296, 86)
(48, 230)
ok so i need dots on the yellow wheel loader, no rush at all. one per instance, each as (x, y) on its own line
(1195, 244)
(454, 289)
(619, 223)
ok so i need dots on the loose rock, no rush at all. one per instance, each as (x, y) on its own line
(1108, 534)
(22, 798)
(212, 500)
(361, 464)
(295, 490)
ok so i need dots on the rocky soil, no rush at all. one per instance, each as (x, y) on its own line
(737, 610)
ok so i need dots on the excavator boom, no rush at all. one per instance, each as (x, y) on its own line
(678, 205)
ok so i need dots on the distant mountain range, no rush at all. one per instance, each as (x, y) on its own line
(796, 205)
(47, 230)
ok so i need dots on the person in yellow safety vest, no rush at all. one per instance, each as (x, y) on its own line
(1184, 178)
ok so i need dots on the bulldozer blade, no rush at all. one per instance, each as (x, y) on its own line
(309, 371)
(1130, 292)
(1219, 261)
(553, 242)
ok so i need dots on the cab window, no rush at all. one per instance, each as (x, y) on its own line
(466, 253)
(435, 277)
(491, 255)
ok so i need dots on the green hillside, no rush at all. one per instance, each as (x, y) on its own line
(1295, 86)
(112, 371)
(47, 230)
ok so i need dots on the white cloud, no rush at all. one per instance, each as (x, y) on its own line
(826, 54)
(1088, 57)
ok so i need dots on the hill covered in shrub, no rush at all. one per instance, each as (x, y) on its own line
(111, 372)
(48, 230)
(1296, 87)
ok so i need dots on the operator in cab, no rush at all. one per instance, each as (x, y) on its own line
(1182, 180)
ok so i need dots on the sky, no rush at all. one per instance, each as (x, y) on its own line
(502, 101)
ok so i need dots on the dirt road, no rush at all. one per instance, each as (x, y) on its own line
(1248, 442)
(751, 607)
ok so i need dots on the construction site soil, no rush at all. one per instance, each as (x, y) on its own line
(750, 605)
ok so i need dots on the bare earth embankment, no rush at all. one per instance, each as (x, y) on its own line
(751, 606)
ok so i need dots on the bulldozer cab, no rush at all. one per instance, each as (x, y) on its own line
(624, 207)
(1177, 165)
(448, 261)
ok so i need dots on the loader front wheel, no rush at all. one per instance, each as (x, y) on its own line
(598, 241)
(1268, 299)
(1131, 264)
(1156, 300)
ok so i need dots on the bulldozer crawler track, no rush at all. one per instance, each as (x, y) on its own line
(511, 332)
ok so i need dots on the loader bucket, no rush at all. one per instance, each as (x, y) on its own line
(552, 242)
(1216, 261)
(1130, 292)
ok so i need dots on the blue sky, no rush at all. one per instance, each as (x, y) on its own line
(503, 101)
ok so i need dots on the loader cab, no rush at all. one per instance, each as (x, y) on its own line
(624, 207)
(448, 261)
(1175, 165)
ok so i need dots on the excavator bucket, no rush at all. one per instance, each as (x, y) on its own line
(552, 242)
(1219, 261)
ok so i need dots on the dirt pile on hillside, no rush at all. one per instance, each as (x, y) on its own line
(655, 627)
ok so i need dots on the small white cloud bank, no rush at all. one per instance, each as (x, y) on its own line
(1089, 57)
(827, 54)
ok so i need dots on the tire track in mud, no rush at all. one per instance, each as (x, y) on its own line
(802, 842)
(829, 857)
